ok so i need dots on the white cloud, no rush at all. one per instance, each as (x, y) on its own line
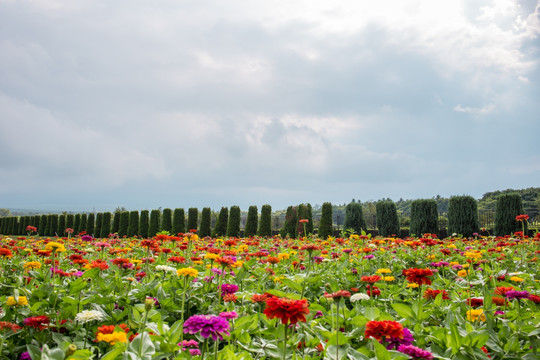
(487, 109)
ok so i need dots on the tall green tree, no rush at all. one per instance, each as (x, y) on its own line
(179, 222)
(205, 227)
(251, 221)
(265, 225)
(77, 224)
(309, 225)
(144, 223)
(508, 207)
(387, 218)
(220, 228)
(463, 215)
(133, 227)
(154, 222)
(289, 226)
(42, 224)
(325, 225)
(99, 222)
(424, 217)
(61, 227)
(106, 221)
(166, 223)
(84, 222)
(54, 225)
(91, 224)
(354, 218)
(116, 221)
(70, 220)
(124, 224)
(233, 226)
(193, 219)
(301, 215)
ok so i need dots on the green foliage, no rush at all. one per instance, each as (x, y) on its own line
(354, 218)
(530, 198)
(251, 221)
(289, 226)
(309, 225)
(265, 226)
(325, 225)
(84, 222)
(53, 227)
(179, 222)
(166, 222)
(193, 217)
(76, 223)
(463, 215)
(133, 227)
(508, 207)
(106, 220)
(61, 228)
(220, 228)
(91, 223)
(153, 229)
(70, 220)
(124, 224)
(97, 230)
(205, 228)
(233, 226)
(116, 221)
(424, 217)
(144, 223)
(387, 218)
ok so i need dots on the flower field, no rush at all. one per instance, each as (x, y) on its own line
(185, 297)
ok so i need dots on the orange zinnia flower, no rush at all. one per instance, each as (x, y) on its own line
(384, 329)
(370, 279)
(287, 310)
(418, 276)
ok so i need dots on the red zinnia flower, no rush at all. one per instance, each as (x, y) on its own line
(522, 217)
(499, 301)
(432, 294)
(535, 299)
(384, 329)
(502, 290)
(418, 276)
(8, 325)
(177, 259)
(370, 279)
(338, 295)
(39, 322)
(256, 298)
(475, 302)
(373, 290)
(287, 310)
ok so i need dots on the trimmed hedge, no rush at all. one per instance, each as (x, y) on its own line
(289, 226)
(153, 229)
(387, 218)
(424, 217)
(463, 215)
(220, 228)
(251, 221)
(133, 227)
(354, 218)
(193, 219)
(144, 223)
(325, 225)
(265, 225)
(124, 224)
(166, 223)
(205, 228)
(106, 220)
(233, 226)
(179, 222)
(508, 207)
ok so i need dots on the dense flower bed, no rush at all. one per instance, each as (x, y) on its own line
(181, 297)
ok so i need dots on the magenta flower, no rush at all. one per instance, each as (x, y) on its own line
(229, 315)
(228, 289)
(415, 352)
(395, 342)
(207, 325)
(514, 294)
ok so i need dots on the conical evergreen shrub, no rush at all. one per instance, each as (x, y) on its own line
(205, 227)
(166, 222)
(133, 227)
(251, 221)
(144, 223)
(154, 223)
(387, 218)
(508, 207)
(193, 219)
(106, 221)
(179, 222)
(124, 224)
(325, 226)
(265, 225)
(424, 217)
(463, 215)
(220, 229)
(354, 218)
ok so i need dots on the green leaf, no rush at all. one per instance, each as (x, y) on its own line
(143, 347)
(34, 351)
(372, 313)
(334, 352)
(91, 274)
(402, 309)
(455, 338)
(291, 284)
(380, 351)
(84, 355)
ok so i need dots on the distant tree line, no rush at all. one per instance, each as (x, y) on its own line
(298, 222)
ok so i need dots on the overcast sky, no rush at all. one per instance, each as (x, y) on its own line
(172, 103)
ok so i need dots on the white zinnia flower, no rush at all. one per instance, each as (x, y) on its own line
(359, 296)
(89, 315)
(165, 268)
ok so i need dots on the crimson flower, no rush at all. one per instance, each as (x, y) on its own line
(287, 310)
(39, 322)
(384, 329)
(370, 279)
(523, 217)
(432, 294)
(338, 295)
(418, 276)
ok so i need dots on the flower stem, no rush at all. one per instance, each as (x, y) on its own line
(285, 341)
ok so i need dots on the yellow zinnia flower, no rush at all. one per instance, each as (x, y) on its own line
(389, 278)
(476, 314)
(21, 302)
(30, 265)
(55, 246)
(117, 336)
(412, 285)
(462, 273)
(516, 279)
(282, 256)
(187, 272)
(384, 271)
(211, 256)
